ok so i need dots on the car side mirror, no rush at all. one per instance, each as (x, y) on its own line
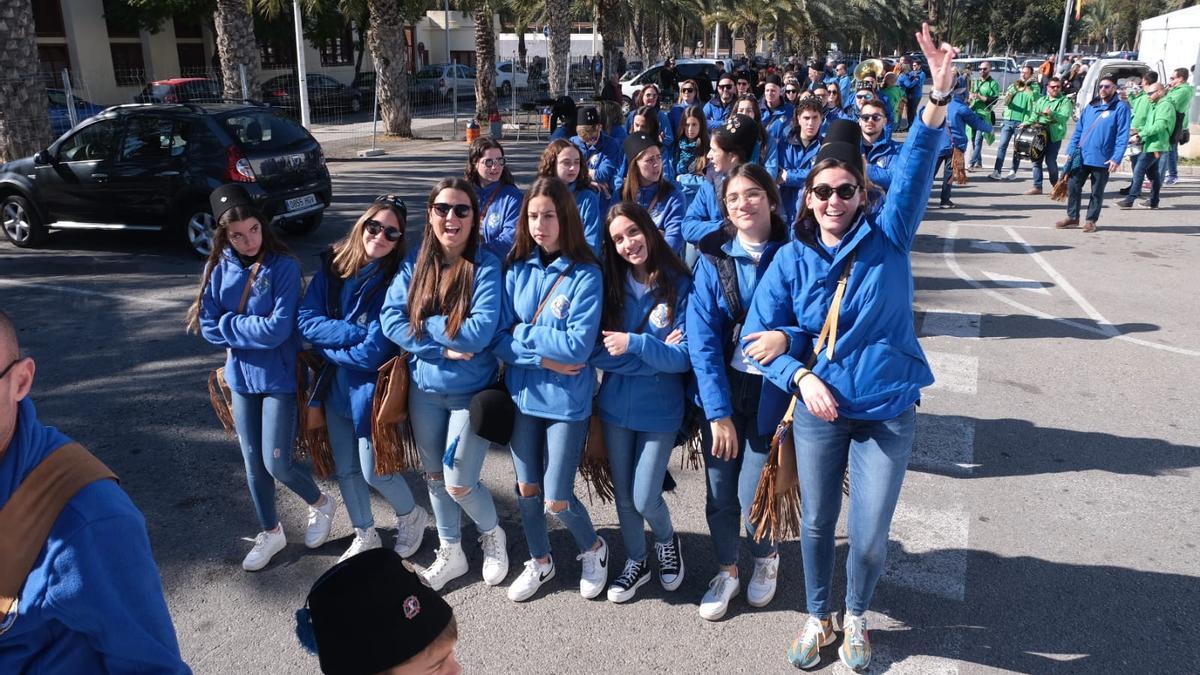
(43, 157)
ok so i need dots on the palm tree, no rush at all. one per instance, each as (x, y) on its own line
(558, 14)
(389, 50)
(24, 120)
(236, 47)
(485, 62)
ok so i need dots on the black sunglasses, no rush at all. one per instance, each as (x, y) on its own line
(845, 191)
(460, 210)
(724, 86)
(790, 91)
(10, 366)
(687, 90)
(392, 234)
(870, 117)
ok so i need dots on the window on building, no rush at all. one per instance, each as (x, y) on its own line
(338, 51)
(465, 57)
(188, 27)
(53, 59)
(118, 25)
(277, 54)
(129, 66)
(48, 18)
(191, 59)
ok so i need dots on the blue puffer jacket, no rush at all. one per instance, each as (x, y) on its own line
(588, 202)
(878, 368)
(716, 112)
(775, 121)
(350, 336)
(1106, 126)
(667, 213)
(913, 84)
(565, 331)
(880, 157)
(797, 159)
(431, 372)
(664, 125)
(261, 343)
(710, 323)
(643, 388)
(93, 600)
(499, 209)
(703, 213)
(958, 117)
(605, 159)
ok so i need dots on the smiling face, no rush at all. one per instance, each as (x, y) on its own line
(725, 89)
(749, 207)
(490, 174)
(834, 215)
(245, 236)
(567, 163)
(378, 245)
(650, 96)
(629, 240)
(451, 230)
(649, 165)
(543, 223)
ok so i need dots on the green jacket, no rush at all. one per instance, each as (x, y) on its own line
(1180, 97)
(1019, 103)
(1056, 122)
(1140, 103)
(1156, 134)
(988, 92)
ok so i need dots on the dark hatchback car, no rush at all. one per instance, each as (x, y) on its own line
(153, 166)
(181, 90)
(326, 95)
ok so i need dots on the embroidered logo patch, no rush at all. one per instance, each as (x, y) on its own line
(660, 315)
(560, 306)
(362, 320)
(412, 607)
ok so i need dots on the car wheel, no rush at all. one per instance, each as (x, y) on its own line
(199, 228)
(302, 226)
(22, 225)
(355, 104)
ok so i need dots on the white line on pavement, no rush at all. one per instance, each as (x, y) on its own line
(1064, 284)
(133, 300)
(954, 372)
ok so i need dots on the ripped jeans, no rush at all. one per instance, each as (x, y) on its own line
(266, 429)
(354, 468)
(441, 422)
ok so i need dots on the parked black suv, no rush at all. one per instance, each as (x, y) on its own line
(153, 166)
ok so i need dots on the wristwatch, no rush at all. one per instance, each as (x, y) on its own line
(939, 97)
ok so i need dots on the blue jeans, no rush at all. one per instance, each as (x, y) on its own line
(441, 422)
(1170, 161)
(947, 173)
(1148, 165)
(354, 468)
(1050, 159)
(732, 482)
(877, 453)
(639, 461)
(1007, 130)
(1099, 176)
(976, 149)
(546, 454)
(266, 429)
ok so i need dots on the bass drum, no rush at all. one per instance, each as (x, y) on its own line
(1031, 142)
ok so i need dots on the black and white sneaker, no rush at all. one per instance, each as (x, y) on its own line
(670, 564)
(634, 576)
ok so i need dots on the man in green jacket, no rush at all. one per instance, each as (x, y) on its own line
(1154, 135)
(985, 91)
(1139, 105)
(1018, 101)
(1051, 111)
(1180, 95)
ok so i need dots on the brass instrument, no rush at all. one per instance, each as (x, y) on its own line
(872, 67)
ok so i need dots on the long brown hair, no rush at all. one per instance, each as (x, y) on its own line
(757, 117)
(664, 267)
(349, 254)
(806, 226)
(571, 241)
(434, 290)
(271, 243)
(759, 176)
(548, 164)
(701, 162)
(479, 146)
(633, 179)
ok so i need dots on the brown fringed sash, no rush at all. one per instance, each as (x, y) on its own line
(958, 167)
(218, 389)
(391, 431)
(312, 434)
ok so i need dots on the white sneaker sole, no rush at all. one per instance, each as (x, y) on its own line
(627, 594)
(717, 615)
(761, 602)
(674, 585)
(444, 578)
(530, 592)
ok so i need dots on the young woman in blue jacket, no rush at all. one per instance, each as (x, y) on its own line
(644, 358)
(644, 183)
(443, 310)
(730, 144)
(339, 317)
(550, 320)
(690, 156)
(650, 99)
(261, 347)
(499, 198)
(856, 406)
(562, 160)
(735, 447)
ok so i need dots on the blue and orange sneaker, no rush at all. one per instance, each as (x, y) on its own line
(805, 651)
(855, 651)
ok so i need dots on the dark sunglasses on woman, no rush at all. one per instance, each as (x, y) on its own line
(392, 234)
(460, 210)
(845, 191)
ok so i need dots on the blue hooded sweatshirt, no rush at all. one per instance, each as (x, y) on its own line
(959, 116)
(93, 600)
(776, 121)
(261, 343)
(704, 213)
(664, 125)
(880, 157)
(1106, 127)
(797, 159)
(643, 389)
(354, 344)
(565, 331)
(878, 368)
(499, 209)
(431, 371)
(588, 202)
(605, 159)
(716, 112)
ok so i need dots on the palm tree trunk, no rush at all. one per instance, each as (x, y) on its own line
(751, 39)
(237, 47)
(610, 30)
(389, 49)
(559, 14)
(24, 120)
(485, 63)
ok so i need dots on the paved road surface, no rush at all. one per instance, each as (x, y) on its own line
(1048, 522)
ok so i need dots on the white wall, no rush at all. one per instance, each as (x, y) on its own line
(537, 44)
(1172, 41)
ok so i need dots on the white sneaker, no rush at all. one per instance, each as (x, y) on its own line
(532, 577)
(266, 545)
(450, 564)
(594, 576)
(761, 589)
(410, 531)
(1011, 175)
(495, 555)
(995, 175)
(723, 588)
(364, 540)
(320, 519)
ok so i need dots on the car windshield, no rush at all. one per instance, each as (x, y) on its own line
(261, 130)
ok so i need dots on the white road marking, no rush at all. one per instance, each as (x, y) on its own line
(133, 300)
(934, 555)
(993, 246)
(953, 372)
(1017, 282)
(1064, 284)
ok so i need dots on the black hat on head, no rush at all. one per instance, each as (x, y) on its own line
(228, 196)
(739, 132)
(370, 613)
(773, 79)
(843, 142)
(637, 142)
(589, 115)
(492, 415)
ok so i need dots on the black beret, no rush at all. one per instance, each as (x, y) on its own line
(228, 196)
(370, 613)
(739, 132)
(843, 141)
(492, 414)
(637, 142)
(589, 115)
(773, 79)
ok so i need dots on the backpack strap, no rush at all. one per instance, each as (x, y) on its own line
(727, 276)
(26, 520)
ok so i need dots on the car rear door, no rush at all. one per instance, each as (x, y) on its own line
(286, 160)
(147, 169)
(75, 186)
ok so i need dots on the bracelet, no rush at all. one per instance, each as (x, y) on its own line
(800, 375)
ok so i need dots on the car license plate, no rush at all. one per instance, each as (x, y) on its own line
(298, 203)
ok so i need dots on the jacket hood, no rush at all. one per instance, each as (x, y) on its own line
(30, 444)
